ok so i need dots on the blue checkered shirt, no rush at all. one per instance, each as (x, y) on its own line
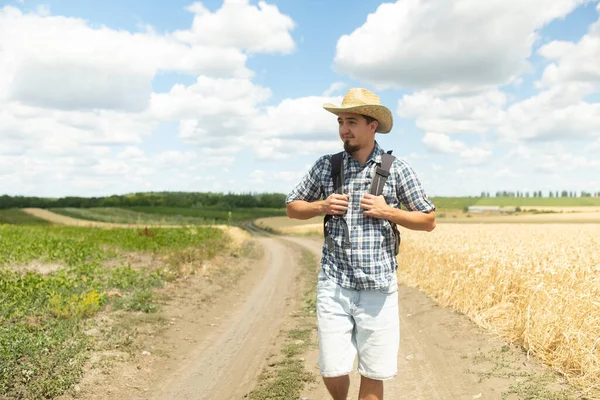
(370, 262)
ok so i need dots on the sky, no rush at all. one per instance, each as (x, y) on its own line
(115, 97)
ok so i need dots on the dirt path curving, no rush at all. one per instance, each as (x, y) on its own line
(224, 365)
(444, 356)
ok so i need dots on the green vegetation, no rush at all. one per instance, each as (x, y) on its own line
(167, 215)
(285, 376)
(460, 203)
(503, 364)
(17, 217)
(222, 201)
(451, 203)
(43, 315)
(214, 214)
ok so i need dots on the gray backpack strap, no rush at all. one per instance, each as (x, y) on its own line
(381, 174)
(337, 174)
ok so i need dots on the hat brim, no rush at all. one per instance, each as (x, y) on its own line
(381, 113)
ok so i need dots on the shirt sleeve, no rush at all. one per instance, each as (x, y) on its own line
(310, 187)
(410, 190)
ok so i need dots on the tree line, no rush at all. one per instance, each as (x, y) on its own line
(227, 201)
(539, 193)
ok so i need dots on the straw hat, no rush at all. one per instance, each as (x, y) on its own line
(363, 101)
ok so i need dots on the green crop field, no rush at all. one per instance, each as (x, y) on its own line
(167, 215)
(451, 203)
(43, 315)
(460, 203)
(17, 217)
(214, 214)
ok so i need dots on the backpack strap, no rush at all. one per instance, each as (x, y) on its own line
(382, 172)
(337, 174)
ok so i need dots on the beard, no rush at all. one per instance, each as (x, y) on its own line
(350, 148)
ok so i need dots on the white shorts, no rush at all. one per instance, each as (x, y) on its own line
(363, 323)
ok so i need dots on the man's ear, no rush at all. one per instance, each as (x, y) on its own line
(375, 126)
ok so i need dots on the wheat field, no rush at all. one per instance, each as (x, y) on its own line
(538, 285)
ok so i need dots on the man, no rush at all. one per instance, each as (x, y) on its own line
(357, 300)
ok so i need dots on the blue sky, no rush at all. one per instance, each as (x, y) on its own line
(102, 98)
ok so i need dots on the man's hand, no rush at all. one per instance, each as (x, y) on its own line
(336, 204)
(375, 206)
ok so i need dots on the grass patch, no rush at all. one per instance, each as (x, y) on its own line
(14, 216)
(285, 376)
(501, 363)
(43, 317)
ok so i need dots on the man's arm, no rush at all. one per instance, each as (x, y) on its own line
(376, 206)
(335, 204)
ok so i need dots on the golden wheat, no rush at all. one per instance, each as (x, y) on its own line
(537, 285)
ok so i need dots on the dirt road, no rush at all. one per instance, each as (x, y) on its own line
(226, 362)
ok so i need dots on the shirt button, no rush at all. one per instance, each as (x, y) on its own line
(353, 228)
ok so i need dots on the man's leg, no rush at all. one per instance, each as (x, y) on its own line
(337, 343)
(338, 386)
(378, 339)
(370, 389)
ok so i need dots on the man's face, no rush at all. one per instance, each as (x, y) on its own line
(355, 132)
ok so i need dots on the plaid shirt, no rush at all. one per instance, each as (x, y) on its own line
(370, 261)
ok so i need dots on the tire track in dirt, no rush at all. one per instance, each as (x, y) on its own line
(443, 355)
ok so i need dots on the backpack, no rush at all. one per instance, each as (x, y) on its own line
(381, 174)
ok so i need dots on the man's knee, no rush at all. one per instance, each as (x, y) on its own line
(337, 381)
(370, 389)
(338, 386)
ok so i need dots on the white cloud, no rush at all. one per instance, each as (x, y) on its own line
(441, 143)
(258, 176)
(230, 115)
(456, 114)
(594, 146)
(557, 113)
(261, 28)
(287, 176)
(223, 102)
(335, 87)
(69, 88)
(475, 155)
(62, 62)
(282, 149)
(298, 117)
(573, 62)
(553, 157)
(456, 46)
